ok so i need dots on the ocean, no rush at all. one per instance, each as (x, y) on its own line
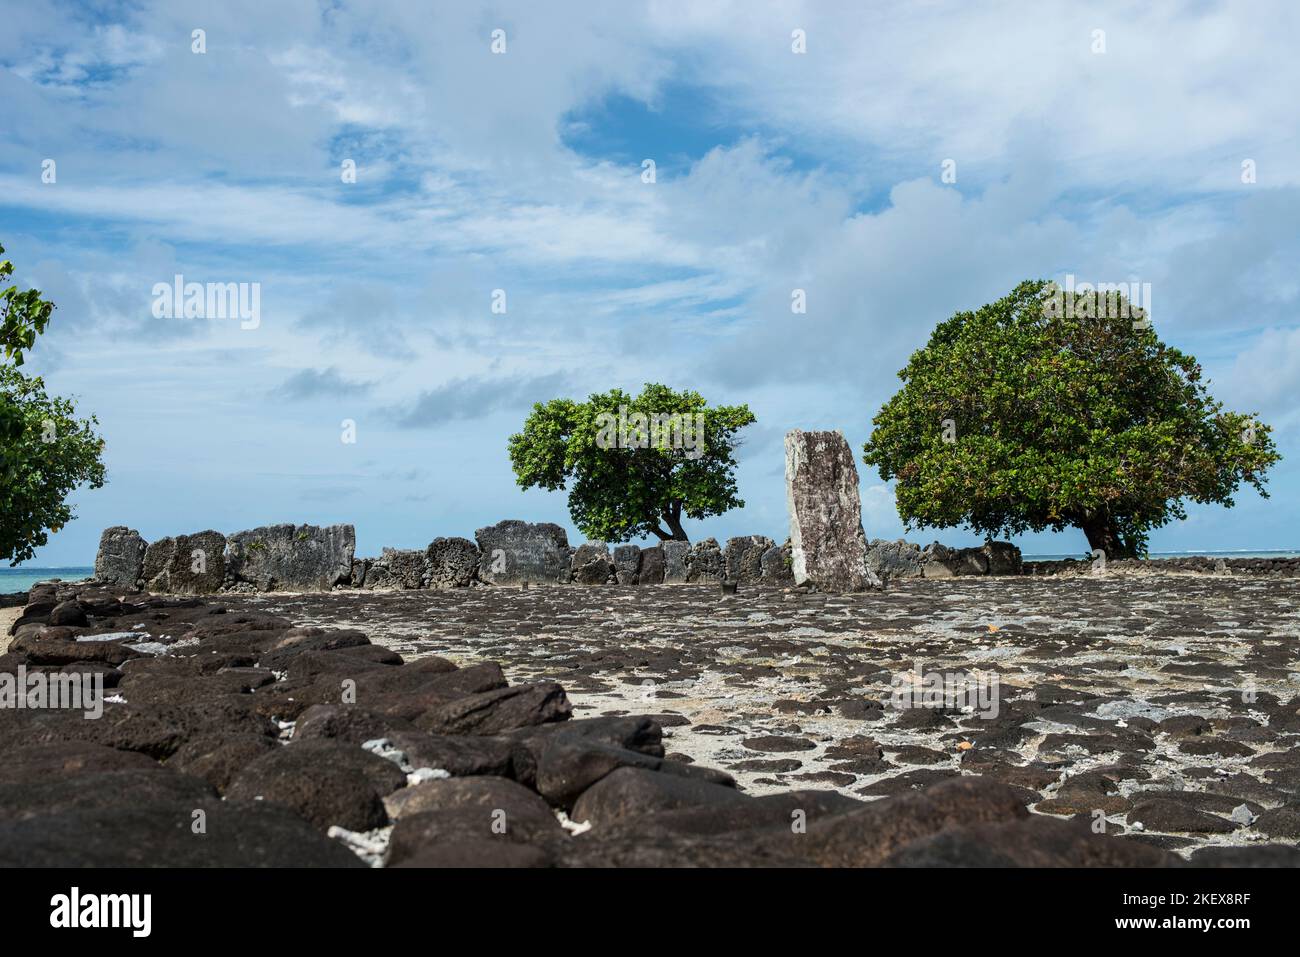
(23, 578)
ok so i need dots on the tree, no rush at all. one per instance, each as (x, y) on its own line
(1044, 410)
(23, 315)
(45, 451)
(634, 462)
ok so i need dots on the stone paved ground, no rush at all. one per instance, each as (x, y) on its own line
(1163, 702)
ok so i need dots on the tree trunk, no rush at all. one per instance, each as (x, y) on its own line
(1102, 534)
(673, 518)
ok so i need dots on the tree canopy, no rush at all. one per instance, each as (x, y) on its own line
(1024, 415)
(23, 315)
(636, 465)
(45, 451)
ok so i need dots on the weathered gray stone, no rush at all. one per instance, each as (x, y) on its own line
(513, 552)
(591, 564)
(651, 571)
(627, 563)
(359, 568)
(1003, 558)
(744, 558)
(396, 568)
(186, 565)
(677, 561)
(775, 565)
(705, 563)
(828, 546)
(897, 559)
(293, 557)
(991, 558)
(451, 563)
(120, 559)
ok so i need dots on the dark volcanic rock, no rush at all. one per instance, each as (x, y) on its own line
(502, 802)
(163, 835)
(568, 767)
(501, 710)
(459, 755)
(628, 792)
(1162, 814)
(47, 761)
(103, 790)
(326, 782)
(219, 758)
(1035, 842)
(1258, 855)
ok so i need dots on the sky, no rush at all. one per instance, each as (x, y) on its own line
(1151, 142)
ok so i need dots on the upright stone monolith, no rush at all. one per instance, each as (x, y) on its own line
(828, 546)
(120, 559)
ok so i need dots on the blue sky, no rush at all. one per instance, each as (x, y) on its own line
(521, 171)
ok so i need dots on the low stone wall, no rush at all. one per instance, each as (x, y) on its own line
(312, 558)
(270, 558)
(1197, 564)
(904, 559)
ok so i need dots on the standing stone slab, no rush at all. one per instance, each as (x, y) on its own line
(293, 557)
(591, 564)
(1004, 558)
(186, 565)
(120, 559)
(897, 559)
(775, 565)
(677, 562)
(451, 563)
(627, 563)
(705, 563)
(744, 558)
(513, 552)
(397, 568)
(360, 566)
(651, 571)
(828, 548)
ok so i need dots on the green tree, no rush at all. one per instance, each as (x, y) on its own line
(45, 451)
(23, 315)
(1041, 411)
(637, 465)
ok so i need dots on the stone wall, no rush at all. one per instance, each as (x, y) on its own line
(1286, 567)
(310, 558)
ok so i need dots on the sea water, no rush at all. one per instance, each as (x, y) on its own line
(23, 578)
